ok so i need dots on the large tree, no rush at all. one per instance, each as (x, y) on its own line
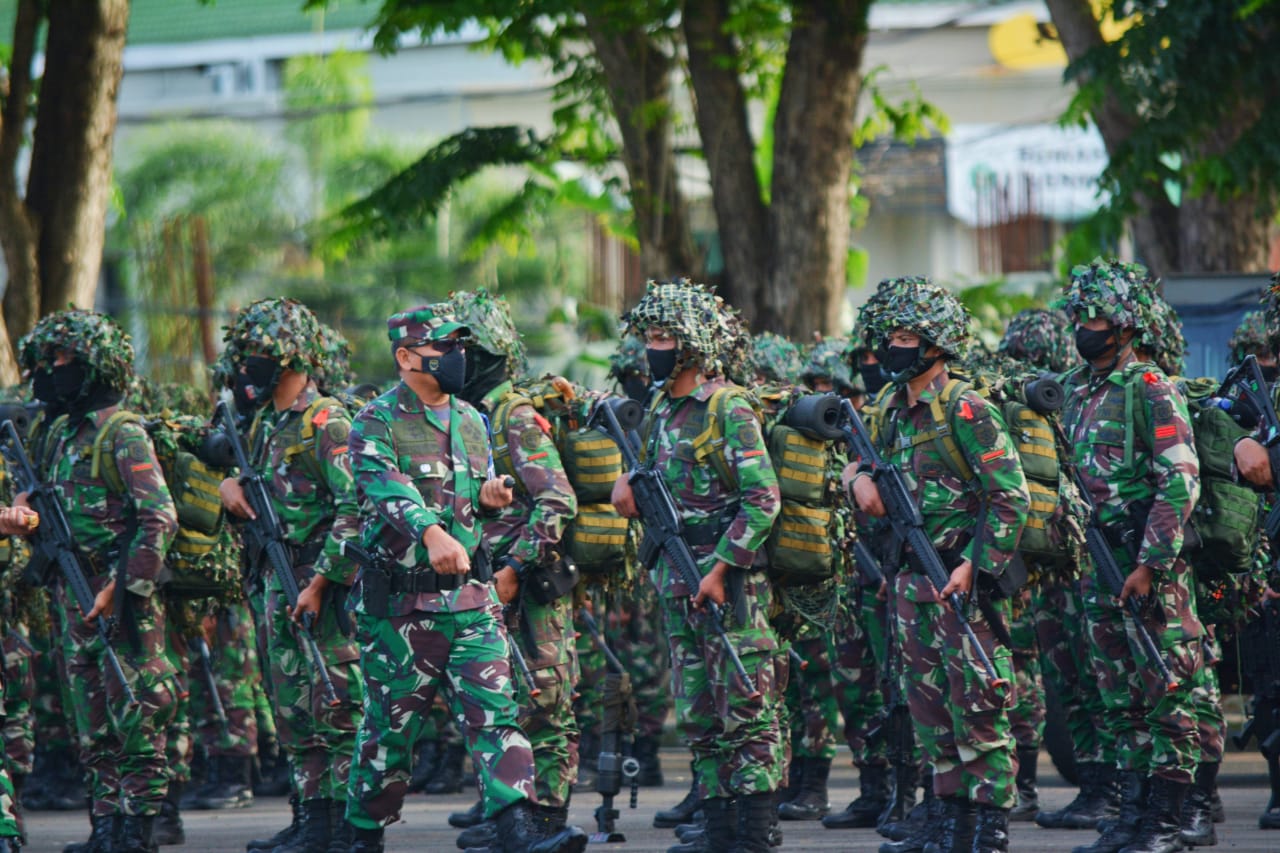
(52, 235)
(1185, 102)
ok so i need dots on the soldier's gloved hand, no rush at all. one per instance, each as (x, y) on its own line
(232, 494)
(622, 498)
(1137, 584)
(1253, 462)
(448, 557)
(961, 581)
(311, 598)
(103, 603)
(867, 495)
(18, 521)
(712, 585)
(496, 494)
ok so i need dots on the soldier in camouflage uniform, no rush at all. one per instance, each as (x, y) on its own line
(775, 360)
(1155, 724)
(736, 738)
(298, 442)
(79, 363)
(15, 521)
(961, 721)
(419, 455)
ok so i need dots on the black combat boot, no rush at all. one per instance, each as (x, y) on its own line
(1160, 830)
(482, 834)
(1124, 829)
(284, 836)
(721, 815)
(101, 829)
(645, 750)
(135, 835)
(921, 812)
(928, 829)
(1028, 794)
(231, 784)
(588, 762)
(448, 777)
(519, 832)
(167, 828)
(811, 802)
(873, 797)
(755, 815)
(1197, 811)
(901, 798)
(315, 832)
(955, 835)
(424, 765)
(1097, 800)
(681, 812)
(990, 829)
(368, 841)
(470, 817)
(342, 835)
(10, 844)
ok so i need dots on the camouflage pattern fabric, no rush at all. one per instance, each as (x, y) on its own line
(1271, 309)
(19, 694)
(10, 813)
(238, 678)
(697, 317)
(1211, 722)
(333, 368)
(917, 305)
(776, 359)
(628, 358)
(1249, 337)
(282, 329)
(1119, 292)
(827, 361)
(1026, 717)
(178, 743)
(54, 724)
(1040, 339)
(810, 700)
(1161, 336)
(859, 661)
(488, 317)
(91, 337)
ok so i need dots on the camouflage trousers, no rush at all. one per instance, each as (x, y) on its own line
(546, 636)
(318, 738)
(858, 656)
(1211, 722)
(633, 629)
(405, 660)
(736, 739)
(51, 706)
(122, 748)
(238, 680)
(10, 815)
(961, 722)
(19, 694)
(1026, 717)
(178, 744)
(1067, 667)
(810, 701)
(1155, 727)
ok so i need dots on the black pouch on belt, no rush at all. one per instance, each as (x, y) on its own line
(548, 582)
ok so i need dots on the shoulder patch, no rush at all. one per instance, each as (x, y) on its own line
(1162, 410)
(530, 439)
(336, 432)
(986, 433)
(748, 435)
(138, 451)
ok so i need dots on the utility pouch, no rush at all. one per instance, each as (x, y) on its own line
(1006, 585)
(375, 590)
(649, 551)
(551, 581)
(482, 563)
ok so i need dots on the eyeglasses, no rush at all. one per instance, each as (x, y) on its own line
(444, 345)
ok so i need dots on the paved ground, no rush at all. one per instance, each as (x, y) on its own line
(424, 828)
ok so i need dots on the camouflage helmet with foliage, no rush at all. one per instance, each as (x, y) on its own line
(1250, 337)
(776, 358)
(91, 337)
(224, 367)
(629, 358)
(701, 322)
(868, 332)
(488, 316)
(1161, 336)
(1115, 291)
(1271, 310)
(1041, 338)
(333, 371)
(915, 304)
(828, 360)
(279, 328)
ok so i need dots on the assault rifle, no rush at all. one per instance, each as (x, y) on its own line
(266, 535)
(616, 765)
(211, 681)
(659, 515)
(908, 528)
(53, 542)
(1104, 563)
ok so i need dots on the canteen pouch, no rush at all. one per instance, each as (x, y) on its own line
(549, 582)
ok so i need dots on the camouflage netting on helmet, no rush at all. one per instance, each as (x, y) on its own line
(701, 322)
(1042, 339)
(827, 361)
(775, 358)
(488, 316)
(1117, 292)
(87, 335)
(333, 372)
(1250, 337)
(915, 304)
(629, 358)
(1161, 336)
(1271, 301)
(223, 369)
(869, 332)
(282, 329)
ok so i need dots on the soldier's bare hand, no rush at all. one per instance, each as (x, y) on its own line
(496, 494)
(882, 592)
(22, 499)
(232, 494)
(508, 585)
(867, 495)
(447, 555)
(311, 599)
(103, 603)
(1138, 583)
(1270, 594)
(18, 521)
(961, 581)
(1253, 462)
(622, 498)
(712, 586)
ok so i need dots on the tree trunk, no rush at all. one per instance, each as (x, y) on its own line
(71, 150)
(19, 231)
(720, 107)
(638, 79)
(813, 160)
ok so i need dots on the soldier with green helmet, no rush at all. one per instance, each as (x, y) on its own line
(1250, 338)
(727, 506)
(102, 468)
(974, 519)
(775, 359)
(298, 442)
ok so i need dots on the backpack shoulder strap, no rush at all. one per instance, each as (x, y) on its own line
(708, 444)
(1135, 409)
(305, 447)
(498, 426)
(103, 441)
(942, 411)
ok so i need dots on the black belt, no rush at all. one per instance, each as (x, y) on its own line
(701, 534)
(424, 582)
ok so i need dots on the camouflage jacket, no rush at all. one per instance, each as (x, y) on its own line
(1162, 473)
(744, 513)
(533, 525)
(99, 515)
(413, 471)
(996, 498)
(315, 498)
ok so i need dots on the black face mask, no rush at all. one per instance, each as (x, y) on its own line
(1093, 345)
(42, 386)
(1270, 372)
(256, 382)
(450, 369)
(872, 377)
(68, 381)
(902, 364)
(485, 371)
(636, 387)
(662, 362)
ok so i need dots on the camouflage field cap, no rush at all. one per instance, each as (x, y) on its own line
(695, 315)
(776, 358)
(87, 335)
(1116, 291)
(488, 318)
(1250, 337)
(1042, 339)
(1161, 336)
(279, 328)
(424, 323)
(918, 305)
(628, 358)
(828, 360)
(1271, 301)
(334, 368)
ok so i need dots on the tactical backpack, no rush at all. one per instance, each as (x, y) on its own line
(596, 539)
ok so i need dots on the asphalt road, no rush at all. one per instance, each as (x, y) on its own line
(423, 828)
